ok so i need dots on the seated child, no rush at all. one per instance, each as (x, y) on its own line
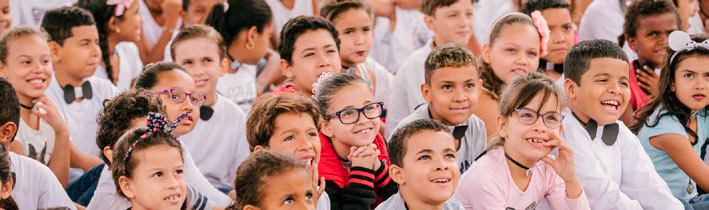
(423, 163)
(309, 47)
(288, 123)
(354, 159)
(271, 180)
(73, 41)
(520, 151)
(451, 89)
(34, 185)
(218, 142)
(562, 31)
(5, 16)
(611, 164)
(675, 125)
(42, 132)
(6, 181)
(451, 22)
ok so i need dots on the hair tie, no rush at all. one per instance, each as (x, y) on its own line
(156, 122)
(543, 28)
(121, 6)
(321, 78)
(680, 41)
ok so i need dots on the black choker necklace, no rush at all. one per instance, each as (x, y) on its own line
(26, 107)
(517, 163)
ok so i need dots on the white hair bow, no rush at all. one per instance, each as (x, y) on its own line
(680, 41)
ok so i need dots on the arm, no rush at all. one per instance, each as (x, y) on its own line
(50, 192)
(316, 8)
(195, 178)
(171, 12)
(80, 160)
(271, 72)
(682, 153)
(59, 162)
(359, 194)
(488, 114)
(385, 187)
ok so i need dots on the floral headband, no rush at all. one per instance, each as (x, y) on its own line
(316, 85)
(156, 123)
(680, 41)
(121, 6)
(541, 24)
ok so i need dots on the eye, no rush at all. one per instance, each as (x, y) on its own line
(158, 174)
(624, 83)
(207, 60)
(290, 138)
(189, 62)
(424, 157)
(330, 51)
(450, 156)
(567, 27)
(308, 196)
(447, 87)
(688, 75)
(349, 112)
(308, 55)
(526, 115)
(366, 29)
(312, 134)
(26, 62)
(511, 50)
(533, 53)
(602, 80)
(180, 171)
(470, 85)
(288, 201)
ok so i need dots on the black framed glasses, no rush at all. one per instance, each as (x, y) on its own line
(351, 115)
(529, 117)
(179, 95)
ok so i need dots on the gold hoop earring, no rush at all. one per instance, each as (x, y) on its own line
(250, 45)
(118, 30)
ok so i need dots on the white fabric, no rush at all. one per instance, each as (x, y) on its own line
(485, 12)
(151, 30)
(239, 87)
(30, 12)
(81, 116)
(37, 144)
(105, 196)
(384, 80)
(219, 144)
(620, 176)
(604, 19)
(130, 63)
(281, 14)
(696, 25)
(406, 94)
(323, 202)
(392, 48)
(396, 202)
(36, 187)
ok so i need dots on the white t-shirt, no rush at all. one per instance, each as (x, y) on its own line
(406, 94)
(392, 48)
(30, 12)
(219, 144)
(485, 12)
(37, 144)
(81, 116)
(384, 80)
(239, 87)
(36, 187)
(130, 63)
(620, 176)
(151, 30)
(281, 14)
(696, 25)
(604, 19)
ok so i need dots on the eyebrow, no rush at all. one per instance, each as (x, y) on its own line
(425, 151)
(352, 107)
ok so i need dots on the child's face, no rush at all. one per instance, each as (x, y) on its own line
(408, 4)
(452, 24)
(6, 189)
(5, 17)
(80, 54)
(198, 11)
(692, 82)
(452, 94)
(514, 53)
(131, 25)
(182, 80)
(314, 53)
(603, 93)
(686, 8)
(430, 171)
(362, 131)
(650, 41)
(297, 136)
(292, 189)
(200, 57)
(355, 29)
(561, 38)
(526, 140)
(28, 66)
(158, 181)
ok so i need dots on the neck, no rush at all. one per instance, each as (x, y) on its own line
(26, 114)
(112, 41)
(438, 41)
(346, 63)
(341, 150)
(211, 99)
(438, 117)
(515, 170)
(416, 204)
(136, 206)
(64, 78)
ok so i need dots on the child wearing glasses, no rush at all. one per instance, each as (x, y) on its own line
(528, 130)
(354, 159)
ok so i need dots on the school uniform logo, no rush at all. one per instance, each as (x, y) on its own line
(690, 187)
(531, 206)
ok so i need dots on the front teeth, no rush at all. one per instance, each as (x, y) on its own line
(36, 81)
(612, 103)
(365, 131)
(172, 197)
(535, 141)
(441, 180)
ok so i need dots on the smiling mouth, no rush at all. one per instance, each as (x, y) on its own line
(364, 131)
(441, 181)
(611, 105)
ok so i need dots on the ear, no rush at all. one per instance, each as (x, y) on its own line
(223, 67)
(396, 173)
(6, 189)
(426, 91)
(126, 187)
(486, 53)
(260, 148)
(3, 70)
(570, 88)
(55, 49)
(286, 68)
(112, 24)
(632, 43)
(251, 35)
(327, 130)
(7, 132)
(250, 207)
(108, 152)
(502, 126)
(429, 22)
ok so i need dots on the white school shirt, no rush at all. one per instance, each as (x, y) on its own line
(471, 146)
(130, 63)
(406, 93)
(392, 48)
(151, 30)
(384, 80)
(620, 176)
(396, 202)
(281, 14)
(239, 87)
(106, 197)
(219, 144)
(485, 12)
(81, 116)
(36, 187)
(30, 12)
(604, 19)
(37, 144)
(696, 24)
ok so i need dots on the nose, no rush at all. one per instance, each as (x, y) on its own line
(359, 40)
(557, 37)
(441, 165)
(539, 125)
(303, 144)
(522, 60)
(172, 182)
(459, 95)
(323, 61)
(614, 89)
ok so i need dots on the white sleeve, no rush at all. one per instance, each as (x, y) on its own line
(384, 82)
(598, 24)
(52, 194)
(196, 179)
(398, 103)
(242, 147)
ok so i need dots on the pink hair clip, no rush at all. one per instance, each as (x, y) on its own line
(121, 6)
(541, 24)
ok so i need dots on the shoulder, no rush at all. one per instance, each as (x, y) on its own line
(395, 202)
(103, 88)
(230, 107)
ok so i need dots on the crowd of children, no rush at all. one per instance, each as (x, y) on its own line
(354, 104)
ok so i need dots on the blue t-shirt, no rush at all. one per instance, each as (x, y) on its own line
(681, 185)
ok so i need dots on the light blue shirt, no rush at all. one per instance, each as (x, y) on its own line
(680, 184)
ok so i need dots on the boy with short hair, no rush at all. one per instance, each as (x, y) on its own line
(309, 46)
(451, 89)
(452, 22)
(35, 187)
(612, 166)
(423, 183)
(73, 41)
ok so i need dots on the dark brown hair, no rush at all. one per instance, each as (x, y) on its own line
(261, 122)
(254, 173)
(449, 55)
(333, 9)
(398, 141)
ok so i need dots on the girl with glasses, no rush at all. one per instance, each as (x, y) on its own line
(528, 130)
(354, 158)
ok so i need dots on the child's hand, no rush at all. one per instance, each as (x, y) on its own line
(232, 195)
(171, 11)
(564, 163)
(312, 168)
(648, 80)
(363, 156)
(45, 109)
